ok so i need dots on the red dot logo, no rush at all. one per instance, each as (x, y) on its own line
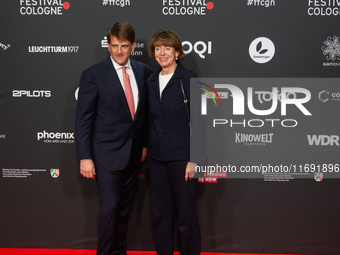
(66, 5)
(210, 5)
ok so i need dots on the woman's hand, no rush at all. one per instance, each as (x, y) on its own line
(190, 171)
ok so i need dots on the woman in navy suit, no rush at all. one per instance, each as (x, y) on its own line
(172, 183)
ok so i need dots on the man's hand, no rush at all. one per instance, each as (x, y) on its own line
(87, 169)
(144, 154)
(190, 171)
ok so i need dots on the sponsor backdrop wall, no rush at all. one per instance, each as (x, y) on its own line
(258, 44)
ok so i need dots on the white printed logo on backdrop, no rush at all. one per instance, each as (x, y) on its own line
(262, 50)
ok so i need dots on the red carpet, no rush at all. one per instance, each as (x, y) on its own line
(11, 251)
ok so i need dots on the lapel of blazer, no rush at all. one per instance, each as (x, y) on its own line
(115, 82)
(139, 81)
(155, 84)
(178, 74)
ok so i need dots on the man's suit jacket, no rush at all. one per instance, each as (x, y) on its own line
(105, 131)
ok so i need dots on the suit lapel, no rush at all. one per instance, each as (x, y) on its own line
(154, 85)
(171, 81)
(139, 84)
(178, 74)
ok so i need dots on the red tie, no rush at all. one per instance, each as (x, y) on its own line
(128, 93)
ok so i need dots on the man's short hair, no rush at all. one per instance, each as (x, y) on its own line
(122, 31)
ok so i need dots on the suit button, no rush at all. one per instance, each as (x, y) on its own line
(162, 102)
(160, 134)
(160, 118)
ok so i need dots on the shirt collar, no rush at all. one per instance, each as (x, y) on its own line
(117, 66)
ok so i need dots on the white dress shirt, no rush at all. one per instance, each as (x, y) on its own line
(133, 82)
(163, 81)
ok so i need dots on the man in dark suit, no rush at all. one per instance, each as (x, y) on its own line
(110, 133)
